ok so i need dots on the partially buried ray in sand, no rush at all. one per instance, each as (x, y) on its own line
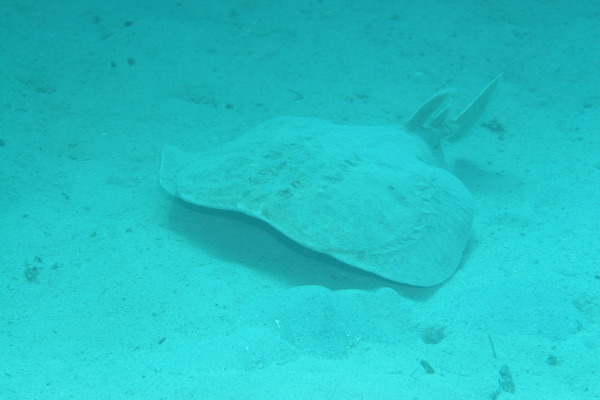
(375, 197)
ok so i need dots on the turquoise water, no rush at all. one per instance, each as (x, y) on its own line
(113, 289)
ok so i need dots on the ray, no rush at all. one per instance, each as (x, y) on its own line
(375, 197)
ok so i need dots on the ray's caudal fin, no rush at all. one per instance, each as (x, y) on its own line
(432, 125)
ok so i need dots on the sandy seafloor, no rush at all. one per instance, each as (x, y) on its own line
(111, 289)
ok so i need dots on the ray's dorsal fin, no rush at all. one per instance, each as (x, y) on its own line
(433, 127)
(469, 117)
(419, 119)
